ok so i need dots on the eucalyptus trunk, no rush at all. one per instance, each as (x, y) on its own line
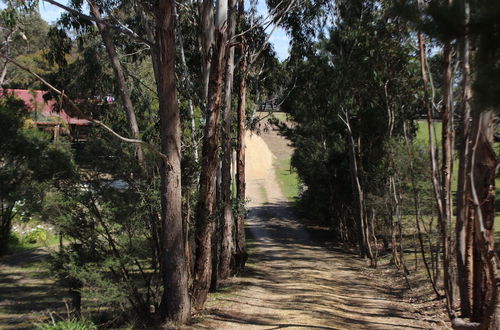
(482, 176)
(207, 42)
(210, 161)
(447, 141)
(464, 226)
(175, 304)
(227, 248)
(358, 194)
(240, 255)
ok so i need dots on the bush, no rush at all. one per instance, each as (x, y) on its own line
(38, 235)
(14, 240)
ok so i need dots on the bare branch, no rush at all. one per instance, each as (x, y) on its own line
(279, 18)
(126, 29)
(267, 21)
(83, 116)
(120, 27)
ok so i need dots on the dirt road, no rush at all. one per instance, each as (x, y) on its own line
(292, 279)
(295, 282)
(27, 290)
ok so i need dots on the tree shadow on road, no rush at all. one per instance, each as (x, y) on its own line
(27, 291)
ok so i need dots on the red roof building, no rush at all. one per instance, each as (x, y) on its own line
(44, 112)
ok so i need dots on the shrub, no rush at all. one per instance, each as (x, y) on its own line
(38, 235)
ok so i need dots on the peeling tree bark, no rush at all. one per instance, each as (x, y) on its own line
(463, 229)
(240, 255)
(482, 177)
(210, 161)
(484, 165)
(227, 248)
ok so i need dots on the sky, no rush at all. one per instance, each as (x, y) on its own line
(279, 38)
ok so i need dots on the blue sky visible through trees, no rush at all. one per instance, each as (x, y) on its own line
(279, 39)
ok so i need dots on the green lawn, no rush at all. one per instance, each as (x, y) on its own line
(423, 131)
(282, 116)
(288, 180)
(423, 137)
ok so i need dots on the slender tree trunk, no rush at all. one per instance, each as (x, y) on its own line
(447, 173)
(240, 256)
(120, 79)
(416, 200)
(398, 247)
(186, 224)
(210, 161)
(207, 42)
(227, 248)
(4, 72)
(175, 305)
(187, 85)
(432, 149)
(463, 224)
(374, 238)
(394, 242)
(362, 223)
(6, 216)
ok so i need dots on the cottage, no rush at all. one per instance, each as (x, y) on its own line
(49, 116)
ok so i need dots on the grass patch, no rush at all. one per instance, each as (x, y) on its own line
(423, 131)
(281, 116)
(423, 138)
(18, 243)
(288, 179)
(73, 324)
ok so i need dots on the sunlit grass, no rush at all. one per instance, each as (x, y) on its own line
(288, 179)
(423, 131)
(281, 116)
(423, 137)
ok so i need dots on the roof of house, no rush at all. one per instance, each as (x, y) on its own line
(45, 110)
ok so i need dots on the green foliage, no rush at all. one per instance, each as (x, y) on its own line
(445, 22)
(61, 45)
(21, 79)
(73, 324)
(28, 162)
(486, 23)
(13, 240)
(108, 217)
(38, 235)
(368, 78)
(23, 36)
